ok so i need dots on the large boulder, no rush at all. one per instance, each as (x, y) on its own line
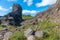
(14, 17)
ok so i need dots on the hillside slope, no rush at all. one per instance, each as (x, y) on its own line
(52, 12)
(44, 26)
(47, 21)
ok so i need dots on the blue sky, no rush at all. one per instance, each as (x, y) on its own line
(31, 7)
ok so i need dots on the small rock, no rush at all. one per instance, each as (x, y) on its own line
(10, 18)
(39, 34)
(58, 27)
(1, 37)
(5, 29)
(31, 37)
(28, 32)
(7, 35)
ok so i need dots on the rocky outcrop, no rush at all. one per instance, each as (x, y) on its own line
(14, 17)
(5, 34)
(31, 34)
(53, 11)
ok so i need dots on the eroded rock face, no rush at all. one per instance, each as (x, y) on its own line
(53, 11)
(14, 17)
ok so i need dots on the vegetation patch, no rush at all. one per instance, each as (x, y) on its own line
(17, 36)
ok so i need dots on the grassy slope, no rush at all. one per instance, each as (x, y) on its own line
(27, 17)
(49, 28)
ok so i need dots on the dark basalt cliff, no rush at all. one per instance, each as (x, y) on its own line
(14, 17)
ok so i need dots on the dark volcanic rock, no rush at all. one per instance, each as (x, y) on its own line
(14, 17)
(0, 22)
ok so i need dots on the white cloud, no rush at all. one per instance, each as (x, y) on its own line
(12, 0)
(25, 1)
(3, 9)
(46, 2)
(10, 8)
(30, 12)
(29, 2)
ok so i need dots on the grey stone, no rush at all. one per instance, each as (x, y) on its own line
(31, 37)
(5, 29)
(7, 35)
(39, 34)
(28, 32)
(1, 37)
(10, 18)
(58, 27)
